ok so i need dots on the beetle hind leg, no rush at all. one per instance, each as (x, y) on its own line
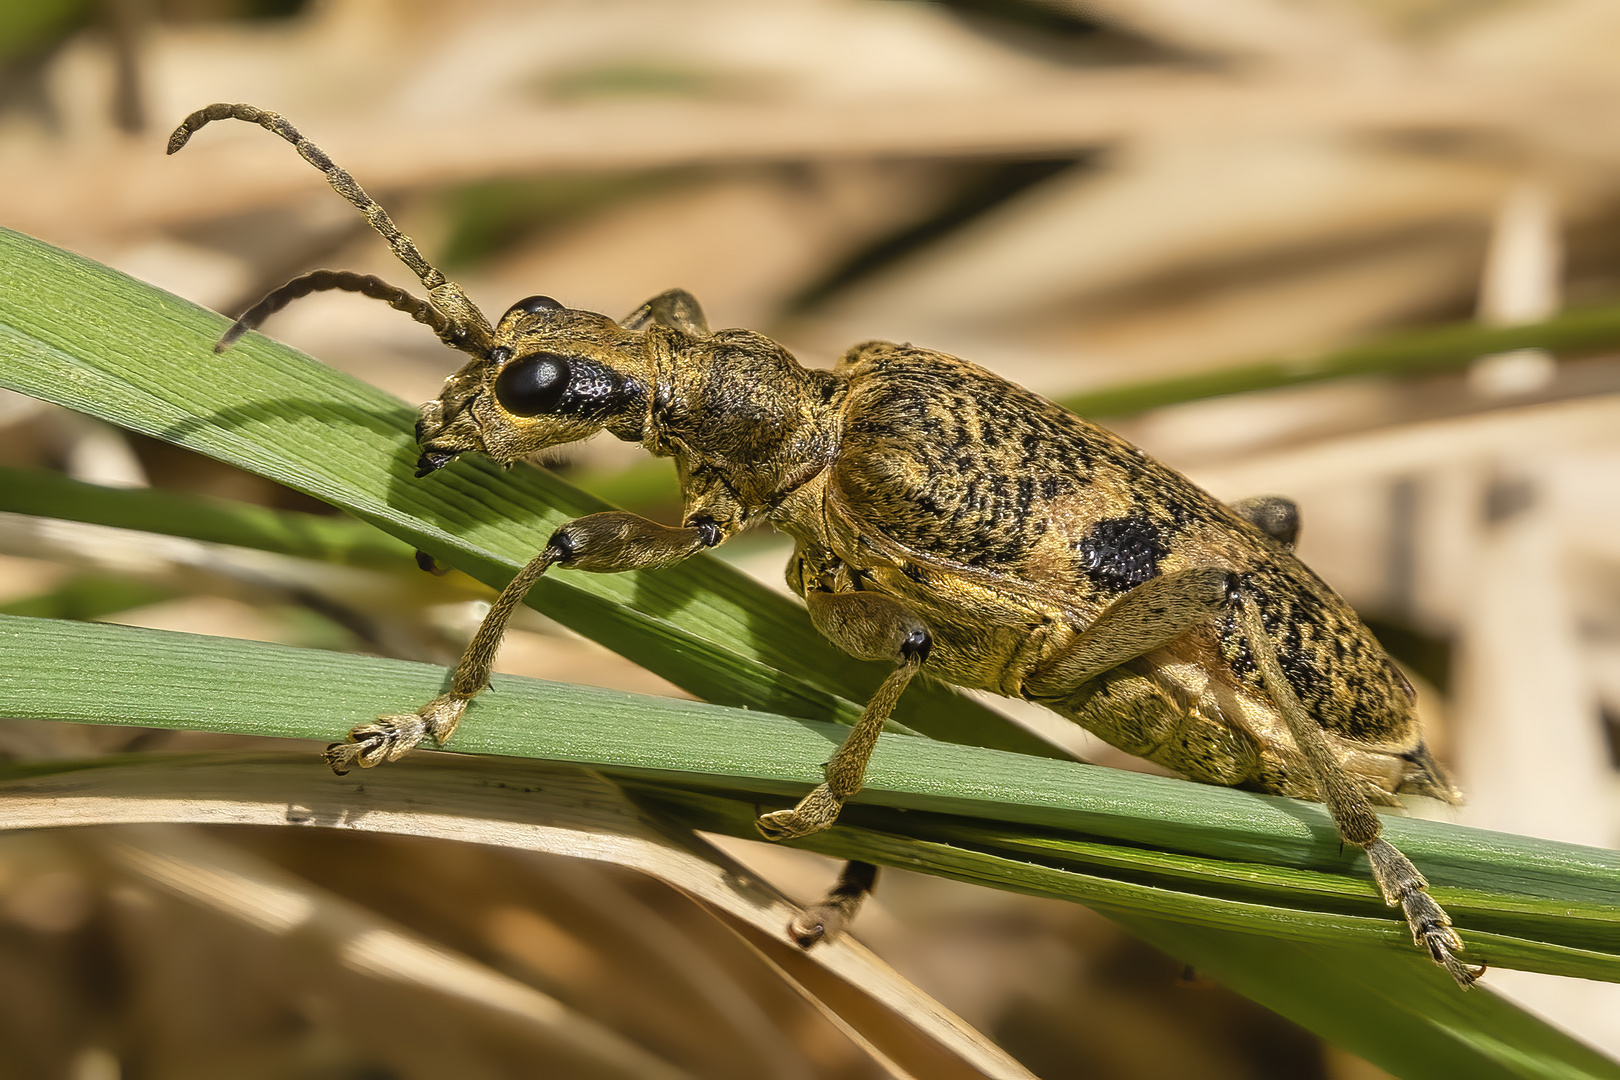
(1398, 880)
(1405, 887)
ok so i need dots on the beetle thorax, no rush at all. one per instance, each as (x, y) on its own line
(738, 408)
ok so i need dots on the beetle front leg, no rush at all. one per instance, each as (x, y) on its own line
(872, 627)
(605, 543)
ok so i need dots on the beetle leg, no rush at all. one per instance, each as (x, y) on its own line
(1150, 616)
(827, 917)
(1398, 880)
(677, 309)
(1275, 515)
(606, 543)
(873, 627)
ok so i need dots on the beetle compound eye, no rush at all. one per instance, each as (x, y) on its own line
(534, 305)
(550, 384)
(534, 385)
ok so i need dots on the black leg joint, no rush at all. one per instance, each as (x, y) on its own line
(709, 534)
(561, 545)
(917, 646)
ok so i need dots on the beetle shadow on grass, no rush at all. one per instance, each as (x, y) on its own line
(293, 411)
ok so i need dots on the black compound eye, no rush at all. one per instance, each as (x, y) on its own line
(534, 305)
(533, 385)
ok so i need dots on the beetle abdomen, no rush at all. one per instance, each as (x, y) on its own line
(1140, 716)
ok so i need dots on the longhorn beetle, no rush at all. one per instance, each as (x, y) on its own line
(944, 519)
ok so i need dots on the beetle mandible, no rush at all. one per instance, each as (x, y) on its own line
(944, 519)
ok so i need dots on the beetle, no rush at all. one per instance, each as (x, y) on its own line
(944, 519)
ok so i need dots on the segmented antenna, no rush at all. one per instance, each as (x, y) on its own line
(345, 280)
(341, 181)
(450, 313)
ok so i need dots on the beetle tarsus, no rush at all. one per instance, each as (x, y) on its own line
(828, 917)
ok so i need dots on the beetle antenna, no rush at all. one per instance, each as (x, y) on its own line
(463, 325)
(347, 281)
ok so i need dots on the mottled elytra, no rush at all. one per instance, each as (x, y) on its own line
(943, 519)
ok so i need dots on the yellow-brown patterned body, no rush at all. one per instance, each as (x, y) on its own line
(1007, 524)
(946, 520)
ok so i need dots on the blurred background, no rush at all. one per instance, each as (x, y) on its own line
(1079, 194)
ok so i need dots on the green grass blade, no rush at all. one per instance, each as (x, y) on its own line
(1582, 332)
(219, 521)
(1422, 1030)
(1345, 968)
(990, 812)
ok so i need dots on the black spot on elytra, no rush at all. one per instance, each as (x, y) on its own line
(1119, 553)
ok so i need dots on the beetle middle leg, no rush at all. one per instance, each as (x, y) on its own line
(609, 542)
(873, 627)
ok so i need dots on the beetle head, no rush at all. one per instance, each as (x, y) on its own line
(555, 375)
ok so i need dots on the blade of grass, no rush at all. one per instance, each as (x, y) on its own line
(220, 521)
(1273, 903)
(1425, 1029)
(1351, 975)
(1581, 332)
(156, 678)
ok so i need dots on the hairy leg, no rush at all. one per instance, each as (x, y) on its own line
(608, 542)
